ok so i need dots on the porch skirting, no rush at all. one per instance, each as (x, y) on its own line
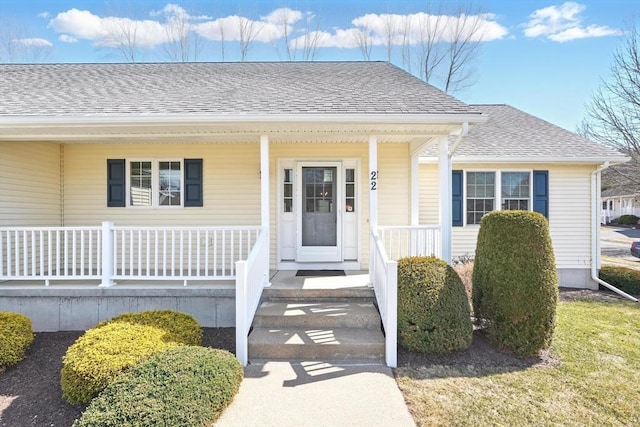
(79, 308)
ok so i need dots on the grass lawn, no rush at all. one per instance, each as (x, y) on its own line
(595, 382)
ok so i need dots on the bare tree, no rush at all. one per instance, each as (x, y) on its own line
(183, 44)
(429, 48)
(406, 42)
(613, 115)
(17, 45)
(122, 35)
(465, 35)
(221, 30)
(389, 23)
(284, 20)
(364, 40)
(248, 31)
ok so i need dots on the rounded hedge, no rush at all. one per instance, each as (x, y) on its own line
(625, 279)
(433, 308)
(515, 282)
(184, 386)
(628, 220)
(16, 336)
(111, 348)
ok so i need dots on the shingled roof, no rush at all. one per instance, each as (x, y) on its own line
(265, 88)
(511, 135)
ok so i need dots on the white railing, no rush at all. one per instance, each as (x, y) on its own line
(384, 277)
(404, 241)
(252, 275)
(109, 253)
(180, 253)
(50, 253)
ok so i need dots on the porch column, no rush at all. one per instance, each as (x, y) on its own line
(444, 172)
(264, 180)
(373, 181)
(415, 189)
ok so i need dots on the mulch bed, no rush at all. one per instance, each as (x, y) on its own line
(30, 392)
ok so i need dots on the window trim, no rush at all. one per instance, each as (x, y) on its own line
(497, 190)
(155, 182)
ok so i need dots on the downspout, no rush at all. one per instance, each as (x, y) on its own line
(595, 234)
(462, 134)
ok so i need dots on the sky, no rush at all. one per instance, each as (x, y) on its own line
(544, 57)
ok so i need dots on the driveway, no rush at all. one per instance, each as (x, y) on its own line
(615, 244)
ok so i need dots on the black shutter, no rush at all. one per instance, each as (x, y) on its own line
(115, 183)
(193, 182)
(456, 194)
(541, 192)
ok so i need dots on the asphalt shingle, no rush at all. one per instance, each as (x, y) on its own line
(147, 89)
(510, 133)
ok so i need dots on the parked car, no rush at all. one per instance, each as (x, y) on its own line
(635, 249)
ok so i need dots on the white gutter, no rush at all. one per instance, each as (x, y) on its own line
(462, 134)
(241, 118)
(595, 234)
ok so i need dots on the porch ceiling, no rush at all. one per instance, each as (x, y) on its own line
(230, 132)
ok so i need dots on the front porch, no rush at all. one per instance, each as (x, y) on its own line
(70, 278)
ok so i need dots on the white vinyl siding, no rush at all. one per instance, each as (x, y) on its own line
(569, 210)
(30, 191)
(231, 185)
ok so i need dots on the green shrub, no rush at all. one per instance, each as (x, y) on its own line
(184, 386)
(113, 347)
(515, 282)
(628, 220)
(180, 324)
(625, 279)
(433, 308)
(16, 337)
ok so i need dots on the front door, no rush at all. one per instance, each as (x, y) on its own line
(319, 236)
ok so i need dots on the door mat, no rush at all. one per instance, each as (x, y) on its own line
(320, 273)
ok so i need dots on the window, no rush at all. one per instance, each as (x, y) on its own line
(515, 190)
(505, 190)
(287, 190)
(154, 183)
(350, 190)
(480, 195)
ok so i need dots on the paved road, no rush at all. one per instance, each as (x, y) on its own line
(615, 245)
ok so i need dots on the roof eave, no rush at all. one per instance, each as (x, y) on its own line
(521, 160)
(28, 121)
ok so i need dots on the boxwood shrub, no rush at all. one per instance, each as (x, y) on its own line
(184, 386)
(433, 308)
(625, 279)
(111, 348)
(16, 335)
(515, 282)
(628, 220)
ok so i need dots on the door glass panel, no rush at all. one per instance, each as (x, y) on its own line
(319, 217)
(287, 189)
(350, 190)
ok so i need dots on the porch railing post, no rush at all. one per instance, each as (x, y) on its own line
(242, 345)
(107, 255)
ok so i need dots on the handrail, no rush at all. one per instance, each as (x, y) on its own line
(384, 278)
(252, 275)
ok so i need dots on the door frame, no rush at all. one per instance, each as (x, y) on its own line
(319, 253)
(285, 223)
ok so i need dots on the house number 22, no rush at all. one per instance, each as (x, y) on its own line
(374, 180)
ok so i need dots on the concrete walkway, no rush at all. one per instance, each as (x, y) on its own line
(288, 394)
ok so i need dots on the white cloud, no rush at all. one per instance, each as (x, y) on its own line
(564, 23)
(233, 26)
(481, 27)
(44, 15)
(33, 42)
(67, 38)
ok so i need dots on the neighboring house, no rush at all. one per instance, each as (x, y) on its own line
(219, 172)
(618, 201)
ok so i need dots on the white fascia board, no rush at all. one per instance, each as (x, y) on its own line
(511, 160)
(28, 121)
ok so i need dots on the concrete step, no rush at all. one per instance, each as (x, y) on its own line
(298, 344)
(358, 293)
(317, 315)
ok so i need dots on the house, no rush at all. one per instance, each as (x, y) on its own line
(518, 161)
(119, 180)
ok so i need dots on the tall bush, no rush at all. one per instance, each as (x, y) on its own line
(515, 282)
(16, 335)
(433, 308)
